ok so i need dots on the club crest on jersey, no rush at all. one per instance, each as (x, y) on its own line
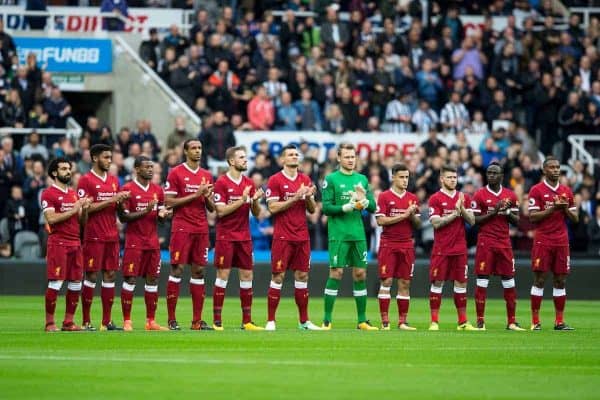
(482, 266)
(114, 186)
(91, 262)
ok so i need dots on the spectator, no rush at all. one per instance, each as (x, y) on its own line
(429, 83)
(33, 146)
(16, 214)
(424, 118)
(593, 231)
(143, 133)
(37, 118)
(468, 56)
(335, 35)
(287, 115)
(13, 112)
(179, 134)
(175, 40)
(118, 7)
(150, 49)
(218, 138)
(123, 140)
(274, 87)
(7, 47)
(25, 87)
(454, 115)
(334, 120)
(57, 108)
(309, 114)
(261, 113)
(32, 187)
(223, 77)
(182, 81)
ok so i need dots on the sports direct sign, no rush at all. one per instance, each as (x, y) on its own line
(385, 143)
(68, 55)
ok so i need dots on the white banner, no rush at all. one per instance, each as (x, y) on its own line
(86, 19)
(385, 143)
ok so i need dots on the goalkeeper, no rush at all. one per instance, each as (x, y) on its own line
(345, 194)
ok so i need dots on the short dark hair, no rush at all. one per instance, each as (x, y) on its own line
(496, 164)
(548, 159)
(187, 143)
(399, 167)
(53, 166)
(288, 147)
(139, 160)
(230, 152)
(345, 146)
(448, 168)
(98, 149)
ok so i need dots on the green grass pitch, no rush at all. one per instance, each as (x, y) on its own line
(291, 364)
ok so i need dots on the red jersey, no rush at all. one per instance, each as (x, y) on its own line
(291, 223)
(181, 182)
(551, 231)
(143, 232)
(450, 239)
(235, 226)
(391, 204)
(65, 233)
(102, 225)
(494, 232)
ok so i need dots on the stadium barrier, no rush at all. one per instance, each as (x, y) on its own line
(29, 278)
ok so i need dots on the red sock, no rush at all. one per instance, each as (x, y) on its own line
(87, 296)
(172, 296)
(403, 304)
(435, 302)
(246, 301)
(151, 300)
(273, 297)
(71, 301)
(510, 296)
(560, 298)
(537, 294)
(460, 301)
(126, 303)
(480, 296)
(384, 307)
(301, 295)
(107, 294)
(218, 300)
(51, 296)
(197, 291)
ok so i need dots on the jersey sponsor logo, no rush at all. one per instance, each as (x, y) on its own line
(44, 204)
(81, 193)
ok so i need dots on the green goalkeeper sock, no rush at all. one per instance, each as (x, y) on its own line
(360, 297)
(331, 291)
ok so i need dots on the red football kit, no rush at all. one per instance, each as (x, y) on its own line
(396, 256)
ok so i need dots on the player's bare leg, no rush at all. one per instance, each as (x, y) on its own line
(246, 277)
(435, 302)
(87, 297)
(537, 294)
(403, 301)
(151, 300)
(559, 294)
(384, 297)
(127, 292)
(331, 291)
(460, 302)
(359, 290)
(219, 296)
(107, 295)
(197, 290)
(173, 286)
(273, 298)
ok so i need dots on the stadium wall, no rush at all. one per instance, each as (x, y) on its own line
(28, 278)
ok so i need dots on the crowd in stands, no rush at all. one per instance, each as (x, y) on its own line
(525, 87)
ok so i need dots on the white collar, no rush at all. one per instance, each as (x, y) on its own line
(144, 188)
(289, 177)
(554, 189)
(103, 179)
(492, 192)
(398, 194)
(61, 189)
(237, 182)
(448, 194)
(193, 171)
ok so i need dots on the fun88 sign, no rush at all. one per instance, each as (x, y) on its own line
(68, 55)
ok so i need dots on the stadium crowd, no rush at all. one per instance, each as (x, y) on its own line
(525, 87)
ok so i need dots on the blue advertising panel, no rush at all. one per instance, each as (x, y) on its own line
(68, 55)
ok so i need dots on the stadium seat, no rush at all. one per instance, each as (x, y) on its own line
(27, 245)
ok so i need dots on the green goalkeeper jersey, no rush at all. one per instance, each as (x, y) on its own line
(337, 191)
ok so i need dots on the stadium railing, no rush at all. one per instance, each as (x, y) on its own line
(579, 152)
(72, 131)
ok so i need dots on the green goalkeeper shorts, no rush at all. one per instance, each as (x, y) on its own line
(347, 254)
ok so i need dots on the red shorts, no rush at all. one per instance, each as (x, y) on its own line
(233, 254)
(395, 262)
(290, 254)
(189, 248)
(64, 263)
(448, 268)
(101, 256)
(141, 262)
(550, 258)
(494, 261)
